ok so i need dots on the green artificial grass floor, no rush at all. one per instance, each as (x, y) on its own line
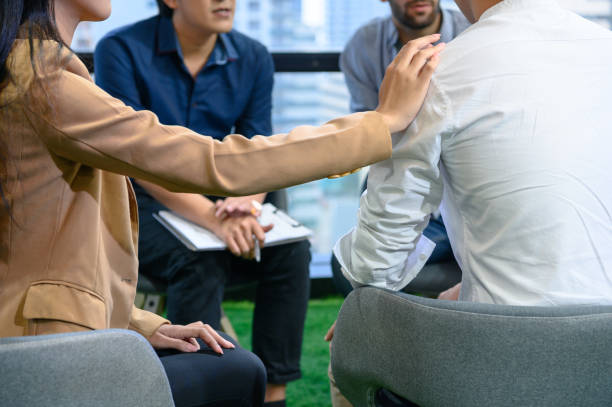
(312, 390)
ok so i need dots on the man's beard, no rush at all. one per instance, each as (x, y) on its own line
(414, 22)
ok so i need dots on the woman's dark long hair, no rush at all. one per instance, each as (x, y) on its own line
(33, 20)
(27, 19)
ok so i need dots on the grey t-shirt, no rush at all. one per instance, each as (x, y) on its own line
(372, 48)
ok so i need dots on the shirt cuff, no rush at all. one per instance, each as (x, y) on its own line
(413, 265)
(415, 262)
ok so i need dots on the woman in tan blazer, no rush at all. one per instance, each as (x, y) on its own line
(68, 223)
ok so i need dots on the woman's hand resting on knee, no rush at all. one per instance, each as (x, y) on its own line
(183, 338)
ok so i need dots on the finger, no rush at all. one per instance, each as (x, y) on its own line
(178, 344)
(194, 342)
(330, 332)
(408, 51)
(233, 246)
(189, 332)
(220, 340)
(205, 335)
(240, 211)
(425, 41)
(229, 208)
(221, 208)
(429, 68)
(262, 238)
(259, 232)
(423, 56)
(246, 208)
(243, 245)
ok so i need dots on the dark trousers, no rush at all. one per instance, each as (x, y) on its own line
(236, 378)
(197, 280)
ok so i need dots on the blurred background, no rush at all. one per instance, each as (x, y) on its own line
(328, 207)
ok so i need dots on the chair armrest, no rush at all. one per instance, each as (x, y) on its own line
(99, 368)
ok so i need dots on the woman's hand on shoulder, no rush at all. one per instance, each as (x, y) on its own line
(183, 338)
(406, 81)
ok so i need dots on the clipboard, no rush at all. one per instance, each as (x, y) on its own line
(196, 238)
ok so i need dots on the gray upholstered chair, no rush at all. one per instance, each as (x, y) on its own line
(443, 353)
(100, 368)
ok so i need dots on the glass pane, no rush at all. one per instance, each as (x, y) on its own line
(297, 25)
(328, 206)
(599, 11)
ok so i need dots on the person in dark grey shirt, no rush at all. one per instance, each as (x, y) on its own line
(373, 46)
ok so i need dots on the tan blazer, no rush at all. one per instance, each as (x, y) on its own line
(68, 251)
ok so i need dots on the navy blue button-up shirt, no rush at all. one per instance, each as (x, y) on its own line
(142, 65)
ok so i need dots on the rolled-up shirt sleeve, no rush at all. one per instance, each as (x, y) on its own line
(387, 249)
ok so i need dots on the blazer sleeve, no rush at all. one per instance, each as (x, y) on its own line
(91, 127)
(145, 322)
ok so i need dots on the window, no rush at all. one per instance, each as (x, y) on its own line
(254, 25)
(327, 206)
(254, 6)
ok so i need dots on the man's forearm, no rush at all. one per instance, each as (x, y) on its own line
(194, 207)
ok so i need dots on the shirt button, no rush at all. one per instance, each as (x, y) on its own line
(422, 257)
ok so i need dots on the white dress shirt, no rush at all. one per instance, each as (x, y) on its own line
(515, 138)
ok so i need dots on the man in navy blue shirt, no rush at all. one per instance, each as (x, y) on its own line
(189, 67)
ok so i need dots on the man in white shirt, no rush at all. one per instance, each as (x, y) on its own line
(363, 62)
(513, 139)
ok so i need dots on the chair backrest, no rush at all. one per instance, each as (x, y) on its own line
(99, 368)
(444, 353)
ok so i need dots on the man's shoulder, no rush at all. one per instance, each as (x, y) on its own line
(372, 28)
(459, 21)
(369, 39)
(246, 45)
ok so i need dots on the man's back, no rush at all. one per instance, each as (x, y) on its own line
(518, 114)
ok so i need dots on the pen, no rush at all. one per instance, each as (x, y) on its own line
(256, 210)
(257, 249)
